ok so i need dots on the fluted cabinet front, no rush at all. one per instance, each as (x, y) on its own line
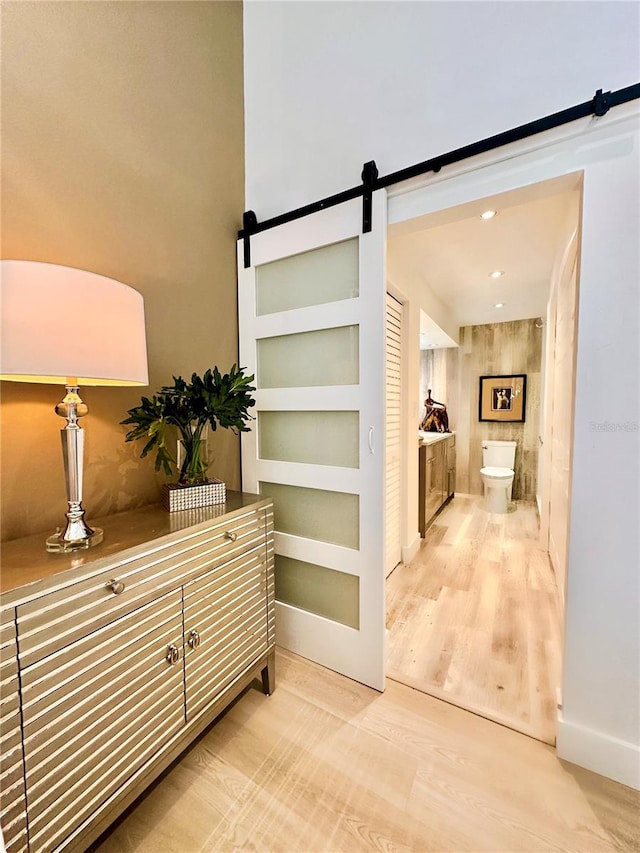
(112, 665)
(95, 711)
(225, 618)
(13, 812)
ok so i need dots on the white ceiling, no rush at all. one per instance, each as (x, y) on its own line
(453, 253)
(431, 335)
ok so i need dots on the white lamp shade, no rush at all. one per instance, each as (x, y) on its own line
(61, 323)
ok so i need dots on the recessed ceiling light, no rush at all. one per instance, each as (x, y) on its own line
(496, 274)
(488, 214)
(499, 304)
(431, 345)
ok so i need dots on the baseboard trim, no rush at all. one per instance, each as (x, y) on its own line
(409, 552)
(608, 756)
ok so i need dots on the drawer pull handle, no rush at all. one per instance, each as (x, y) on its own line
(230, 535)
(173, 654)
(194, 639)
(116, 587)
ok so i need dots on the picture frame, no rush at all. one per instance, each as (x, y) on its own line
(503, 398)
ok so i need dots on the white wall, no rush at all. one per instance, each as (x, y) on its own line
(558, 378)
(331, 85)
(602, 635)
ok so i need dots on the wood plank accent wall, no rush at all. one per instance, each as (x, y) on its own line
(453, 376)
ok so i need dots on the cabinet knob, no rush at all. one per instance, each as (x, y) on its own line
(230, 535)
(173, 654)
(194, 639)
(116, 587)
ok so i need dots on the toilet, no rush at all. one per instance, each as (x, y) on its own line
(498, 462)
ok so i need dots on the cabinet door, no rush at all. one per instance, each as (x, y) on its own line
(13, 816)
(451, 467)
(95, 711)
(225, 624)
(444, 474)
(422, 489)
(433, 499)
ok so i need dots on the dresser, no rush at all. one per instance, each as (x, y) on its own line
(114, 659)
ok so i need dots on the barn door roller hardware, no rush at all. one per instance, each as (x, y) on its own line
(249, 227)
(369, 177)
(599, 106)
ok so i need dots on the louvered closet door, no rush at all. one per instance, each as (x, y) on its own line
(393, 440)
(312, 329)
(95, 711)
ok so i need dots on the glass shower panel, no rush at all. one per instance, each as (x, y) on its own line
(309, 359)
(332, 517)
(314, 438)
(319, 590)
(328, 274)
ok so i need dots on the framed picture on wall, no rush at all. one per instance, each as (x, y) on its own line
(503, 398)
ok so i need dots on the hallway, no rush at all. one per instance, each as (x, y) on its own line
(474, 619)
(326, 764)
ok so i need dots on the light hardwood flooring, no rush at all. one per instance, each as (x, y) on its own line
(326, 764)
(474, 619)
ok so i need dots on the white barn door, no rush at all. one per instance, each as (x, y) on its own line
(312, 330)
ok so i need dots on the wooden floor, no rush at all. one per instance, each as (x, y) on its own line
(325, 764)
(474, 619)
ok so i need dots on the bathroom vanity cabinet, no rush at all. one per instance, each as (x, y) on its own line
(114, 659)
(437, 475)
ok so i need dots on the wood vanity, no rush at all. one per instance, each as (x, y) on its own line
(437, 476)
(112, 660)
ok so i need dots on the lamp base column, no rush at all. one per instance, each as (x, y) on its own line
(77, 535)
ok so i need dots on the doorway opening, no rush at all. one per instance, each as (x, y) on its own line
(476, 617)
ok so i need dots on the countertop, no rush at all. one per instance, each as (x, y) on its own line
(26, 564)
(432, 437)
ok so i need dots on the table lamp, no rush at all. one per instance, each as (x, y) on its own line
(73, 327)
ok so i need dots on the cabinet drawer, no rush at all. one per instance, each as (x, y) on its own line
(95, 712)
(52, 621)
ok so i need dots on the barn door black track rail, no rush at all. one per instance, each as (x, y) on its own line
(599, 105)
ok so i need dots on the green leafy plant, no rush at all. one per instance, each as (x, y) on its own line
(213, 400)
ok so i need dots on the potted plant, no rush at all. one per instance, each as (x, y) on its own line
(191, 407)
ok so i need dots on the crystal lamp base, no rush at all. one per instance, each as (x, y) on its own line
(56, 543)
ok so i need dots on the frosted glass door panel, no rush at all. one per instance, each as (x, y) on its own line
(319, 590)
(332, 517)
(329, 274)
(321, 357)
(313, 438)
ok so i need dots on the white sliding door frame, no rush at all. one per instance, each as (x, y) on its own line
(597, 723)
